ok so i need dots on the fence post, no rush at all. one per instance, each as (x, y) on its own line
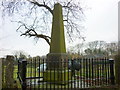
(9, 72)
(117, 69)
(3, 72)
(24, 63)
(112, 77)
(0, 74)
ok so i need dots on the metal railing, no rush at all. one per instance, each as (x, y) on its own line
(75, 73)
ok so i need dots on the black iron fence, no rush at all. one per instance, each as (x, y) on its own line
(73, 73)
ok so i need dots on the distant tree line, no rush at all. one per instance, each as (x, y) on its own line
(99, 48)
(94, 48)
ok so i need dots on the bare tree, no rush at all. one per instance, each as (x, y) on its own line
(112, 48)
(102, 47)
(96, 47)
(96, 44)
(20, 54)
(35, 17)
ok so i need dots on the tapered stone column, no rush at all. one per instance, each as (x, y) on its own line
(57, 37)
(56, 58)
(57, 46)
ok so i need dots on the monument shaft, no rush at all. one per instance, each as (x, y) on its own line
(57, 37)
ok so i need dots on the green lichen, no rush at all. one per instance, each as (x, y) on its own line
(57, 36)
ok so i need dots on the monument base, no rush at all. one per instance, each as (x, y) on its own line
(57, 69)
(57, 61)
(57, 77)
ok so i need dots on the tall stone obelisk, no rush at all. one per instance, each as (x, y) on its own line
(57, 46)
(57, 36)
(56, 64)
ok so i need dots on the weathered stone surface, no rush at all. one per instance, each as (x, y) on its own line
(9, 71)
(57, 60)
(57, 37)
(57, 46)
(58, 76)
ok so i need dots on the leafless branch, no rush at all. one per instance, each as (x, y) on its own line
(32, 33)
(39, 11)
(41, 5)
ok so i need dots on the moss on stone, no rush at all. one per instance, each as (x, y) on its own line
(57, 36)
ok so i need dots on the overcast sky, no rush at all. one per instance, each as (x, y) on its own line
(101, 23)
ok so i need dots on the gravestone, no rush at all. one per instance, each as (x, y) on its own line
(56, 61)
(9, 71)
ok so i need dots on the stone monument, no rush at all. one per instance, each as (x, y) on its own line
(56, 61)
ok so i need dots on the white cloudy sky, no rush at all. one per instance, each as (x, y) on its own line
(101, 23)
